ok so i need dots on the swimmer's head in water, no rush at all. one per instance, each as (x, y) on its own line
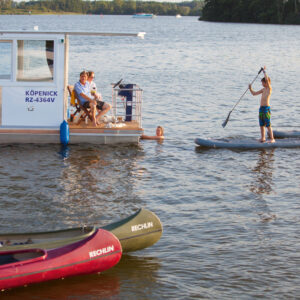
(159, 131)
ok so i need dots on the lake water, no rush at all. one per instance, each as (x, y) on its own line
(231, 218)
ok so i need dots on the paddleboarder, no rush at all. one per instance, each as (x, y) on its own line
(264, 110)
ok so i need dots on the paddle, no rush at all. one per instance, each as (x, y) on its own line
(117, 84)
(227, 119)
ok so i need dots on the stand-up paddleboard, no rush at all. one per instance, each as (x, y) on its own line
(286, 134)
(246, 143)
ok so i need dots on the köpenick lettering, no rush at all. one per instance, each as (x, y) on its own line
(141, 226)
(33, 93)
(102, 251)
(40, 96)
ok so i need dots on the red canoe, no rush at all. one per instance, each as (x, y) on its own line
(96, 253)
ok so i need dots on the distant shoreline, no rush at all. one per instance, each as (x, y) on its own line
(39, 13)
(102, 7)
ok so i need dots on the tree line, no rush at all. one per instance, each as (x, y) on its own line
(119, 7)
(252, 11)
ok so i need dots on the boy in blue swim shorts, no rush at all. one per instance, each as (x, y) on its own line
(264, 110)
(264, 116)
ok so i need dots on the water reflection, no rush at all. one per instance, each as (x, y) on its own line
(159, 146)
(99, 182)
(103, 286)
(263, 183)
(90, 185)
(106, 173)
(64, 151)
(263, 170)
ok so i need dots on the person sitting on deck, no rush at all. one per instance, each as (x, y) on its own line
(159, 135)
(97, 96)
(86, 99)
(93, 87)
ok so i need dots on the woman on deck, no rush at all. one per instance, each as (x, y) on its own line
(98, 97)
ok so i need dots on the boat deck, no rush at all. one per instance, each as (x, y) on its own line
(105, 133)
(133, 125)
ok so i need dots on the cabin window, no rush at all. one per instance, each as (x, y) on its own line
(35, 60)
(6, 61)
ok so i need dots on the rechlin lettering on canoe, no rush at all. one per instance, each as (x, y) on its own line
(141, 226)
(101, 251)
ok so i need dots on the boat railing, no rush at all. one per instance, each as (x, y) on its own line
(127, 103)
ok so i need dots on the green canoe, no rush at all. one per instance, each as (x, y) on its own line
(136, 232)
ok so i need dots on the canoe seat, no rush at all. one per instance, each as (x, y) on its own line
(79, 109)
(7, 259)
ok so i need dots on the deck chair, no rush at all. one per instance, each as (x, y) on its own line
(79, 108)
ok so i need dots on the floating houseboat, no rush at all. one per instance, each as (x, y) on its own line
(35, 99)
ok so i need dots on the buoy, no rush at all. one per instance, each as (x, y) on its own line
(64, 133)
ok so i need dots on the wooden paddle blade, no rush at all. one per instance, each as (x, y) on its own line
(226, 121)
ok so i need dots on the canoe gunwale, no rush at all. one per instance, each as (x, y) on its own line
(47, 236)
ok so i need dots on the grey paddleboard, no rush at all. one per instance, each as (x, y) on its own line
(246, 143)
